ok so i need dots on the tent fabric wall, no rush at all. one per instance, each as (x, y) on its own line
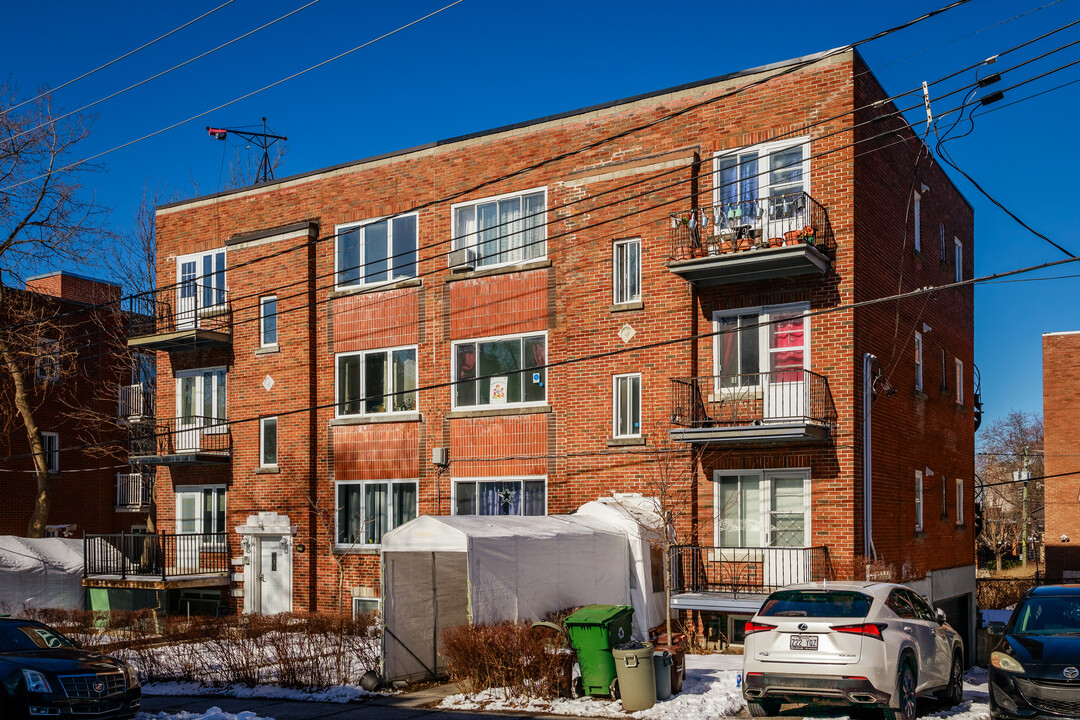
(41, 573)
(444, 571)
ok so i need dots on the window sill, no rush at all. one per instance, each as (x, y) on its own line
(380, 287)
(500, 270)
(626, 441)
(960, 408)
(960, 526)
(267, 470)
(378, 418)
(268, 350)
(627, 306)
(364, 550)
(488, 412)
(920, 395)
(920, 534)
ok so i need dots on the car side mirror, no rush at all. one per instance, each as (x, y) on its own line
(940, 615)
(995, 627)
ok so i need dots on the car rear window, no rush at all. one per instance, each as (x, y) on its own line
(816, 604)
(14, 638)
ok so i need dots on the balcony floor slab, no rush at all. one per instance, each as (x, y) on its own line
(748, 265)
(765, 432)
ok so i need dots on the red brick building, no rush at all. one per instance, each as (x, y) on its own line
(1061, 465)
(515, 321)
(84, 385)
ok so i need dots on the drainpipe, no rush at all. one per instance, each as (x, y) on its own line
(868, 484)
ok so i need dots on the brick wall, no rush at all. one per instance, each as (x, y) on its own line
(1061, 489)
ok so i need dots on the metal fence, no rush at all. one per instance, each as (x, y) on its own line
(746, 570)
(751, 224)
(1001, 593)
(136, 400)
(188, 434)
(186, 306)
(134, 490)
(718, 400)
(155, 555)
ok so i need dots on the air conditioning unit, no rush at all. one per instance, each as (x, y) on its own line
(462, 260)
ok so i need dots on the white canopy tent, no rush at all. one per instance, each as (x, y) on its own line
(444, 571)
(40, 573)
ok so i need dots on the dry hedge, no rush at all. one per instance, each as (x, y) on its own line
(511, 658)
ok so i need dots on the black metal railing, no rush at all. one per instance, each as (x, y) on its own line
(188, 434)
(136, 400)
(134, 490)
(751, 224)
(186, 306)
(746, 570)
(155, 555)
(781, 395)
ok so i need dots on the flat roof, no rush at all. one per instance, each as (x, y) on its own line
(68, 273)
(805, 59)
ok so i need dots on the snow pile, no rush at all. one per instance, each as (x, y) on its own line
(213, 713)
(335, 694)
(709, 691)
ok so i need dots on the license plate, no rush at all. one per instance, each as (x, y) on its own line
(804, 642)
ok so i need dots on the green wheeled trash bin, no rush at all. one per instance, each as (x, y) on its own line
(593, 631)
(637, 675)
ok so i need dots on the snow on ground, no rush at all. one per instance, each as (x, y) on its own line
(211, 714)
(710, 690)
(335, 694)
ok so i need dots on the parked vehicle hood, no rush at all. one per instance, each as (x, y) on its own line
(1045, 655)
(62, 660)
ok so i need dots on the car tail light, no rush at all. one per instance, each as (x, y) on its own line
(753, 627)
(867, 629)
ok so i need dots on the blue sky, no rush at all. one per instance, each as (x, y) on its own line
(483, 63)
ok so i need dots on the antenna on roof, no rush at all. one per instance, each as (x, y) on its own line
(265, 140)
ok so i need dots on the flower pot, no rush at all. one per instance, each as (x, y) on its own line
(776, 242)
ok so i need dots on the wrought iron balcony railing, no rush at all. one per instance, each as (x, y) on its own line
(127, 555)
(186, 306)
(751, 224)
(177, 436)
(754, 398)
(134, 490)
(746, 570)
(136, 400)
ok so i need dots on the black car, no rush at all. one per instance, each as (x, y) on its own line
(1035, 667)
(44, 674)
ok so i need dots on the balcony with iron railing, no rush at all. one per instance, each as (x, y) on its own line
(188, 440)
(772, 407)
(134, 491)
(187, 316)
(135, 401)
(752, 239)
(155, 557)
(734, 572)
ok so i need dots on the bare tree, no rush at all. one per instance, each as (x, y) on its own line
(42, 216)
(1011, 444)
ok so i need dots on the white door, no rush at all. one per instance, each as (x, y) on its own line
(787, 561)
(785, 391)
(186, 438)
(188, 522)
(186, 292)
(275, 576)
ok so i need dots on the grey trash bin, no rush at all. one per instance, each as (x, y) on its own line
(636, 676)
(662, 661)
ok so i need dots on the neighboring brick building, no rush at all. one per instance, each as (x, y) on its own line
(751, 223)
(82, 379)
(1061, 463)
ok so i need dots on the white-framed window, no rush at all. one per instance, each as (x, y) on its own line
(503, 229)
(626, 405)
(268, 321)
(200, 396)
(762, 509)
(376, 381)
(917, 212)
(944, 498)
(958, 252)
(366, 509)
(918, 361)
(941, 230)
(375, 251)
(506, 370)
(918, 500)
(200, 284)
(47, 361)
(200, 509)
(626, 271)
(746, 177)
(50, 446)
(364, 605)
(959, 381)
(766, 340)
(500, 496)
(959, 501)
(144, 369)
(268, 442)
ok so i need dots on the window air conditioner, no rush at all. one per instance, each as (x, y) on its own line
(462, 260)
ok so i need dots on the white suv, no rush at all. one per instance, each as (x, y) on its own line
(850, 643)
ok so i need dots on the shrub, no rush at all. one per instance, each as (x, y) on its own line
(510, 657)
